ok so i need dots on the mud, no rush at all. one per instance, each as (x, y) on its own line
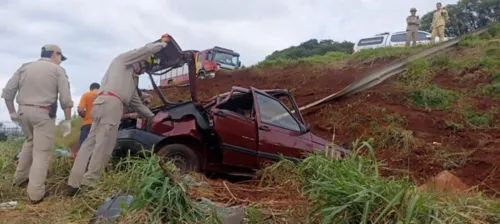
(472, 154)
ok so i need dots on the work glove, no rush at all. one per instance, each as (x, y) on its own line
(65, 127)
(164, 38)
(14, 117)
(442, 13)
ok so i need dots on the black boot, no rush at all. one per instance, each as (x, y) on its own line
(40, 200)
(73, 191)
(24, 184)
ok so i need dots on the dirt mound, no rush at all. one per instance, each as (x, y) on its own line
(407, 136)
(307, 83)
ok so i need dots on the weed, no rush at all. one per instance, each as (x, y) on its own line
(472, 41)
(385, 53)
(276, 174)
(453, 125)
(452, 160)
(489, 62)
(254, 215)
(441, 61)
(394, 137)
(395, 119)
(477, 120)
(494, 29)
(352, 191)
(416, 74)
(66, 142)
(313, 60)
(492, 90)
(433, 97)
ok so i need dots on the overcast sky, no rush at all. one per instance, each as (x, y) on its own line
(91, 32)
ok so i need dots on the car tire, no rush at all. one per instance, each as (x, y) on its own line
(182, 156)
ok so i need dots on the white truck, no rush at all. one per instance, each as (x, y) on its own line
(397, 39)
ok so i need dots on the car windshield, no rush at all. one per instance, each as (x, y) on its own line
(225, 58)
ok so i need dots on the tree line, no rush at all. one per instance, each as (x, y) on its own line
(465, 16)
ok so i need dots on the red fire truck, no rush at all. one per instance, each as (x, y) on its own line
(208, 62)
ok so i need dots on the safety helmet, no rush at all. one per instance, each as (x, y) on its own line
(413, 10)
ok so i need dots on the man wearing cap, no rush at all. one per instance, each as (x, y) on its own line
(118, 89)
(37, 84)
(439, 20)
(413, 22)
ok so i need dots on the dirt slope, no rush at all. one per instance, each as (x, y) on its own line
(461, 137)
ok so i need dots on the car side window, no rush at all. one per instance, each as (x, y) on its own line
(422, 36)
(398, 37)
(274, 113)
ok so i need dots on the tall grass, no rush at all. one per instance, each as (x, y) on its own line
(352, 190)
(159, 190)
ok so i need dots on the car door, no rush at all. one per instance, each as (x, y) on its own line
(238, 137)
(398, 40)
(279, 132)
(423, 37)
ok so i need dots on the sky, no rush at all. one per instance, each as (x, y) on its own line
(91, 33)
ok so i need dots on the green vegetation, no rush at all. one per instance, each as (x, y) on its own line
(72, 138)
(433, 97)
(333, 57)
(347, 191)
(385, 53)
(454, 126)
(467, 15)
(311, 48)
(318, 59)
(417, 74)
(395, 118)
(352, 191)
(478, 120)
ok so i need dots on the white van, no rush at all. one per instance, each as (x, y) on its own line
(397, 39)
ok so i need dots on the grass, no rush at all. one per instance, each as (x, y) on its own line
(478, 120)
(342, 191)
(334, 57)
(72, 138)
(330, 57)
(352, 191)
(417, 74)
(433, 97)
(394, 137)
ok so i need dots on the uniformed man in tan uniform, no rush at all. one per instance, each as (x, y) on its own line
(413, 22)
(37, 84)
(118, 89)
(439, 21)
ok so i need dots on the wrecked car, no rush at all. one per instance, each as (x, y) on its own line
(235, 133)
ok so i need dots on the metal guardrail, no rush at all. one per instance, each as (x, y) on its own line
(394, 68)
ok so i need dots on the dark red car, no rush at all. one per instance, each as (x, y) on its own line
(234, 133)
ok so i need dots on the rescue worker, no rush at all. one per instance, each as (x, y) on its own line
(413, 22)
(118, 88)
(84, 109)
(439, 21)
(37, 84)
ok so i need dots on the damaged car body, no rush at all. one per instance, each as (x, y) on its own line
(235, 132)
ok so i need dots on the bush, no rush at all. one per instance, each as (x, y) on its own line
(433, 97)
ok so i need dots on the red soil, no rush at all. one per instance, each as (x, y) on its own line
(354, 117)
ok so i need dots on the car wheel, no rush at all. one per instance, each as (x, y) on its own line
(181, 156)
